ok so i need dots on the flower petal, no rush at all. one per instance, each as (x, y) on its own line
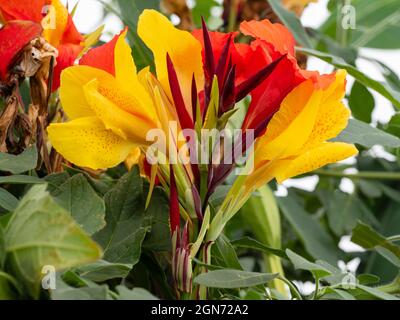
(109, 107)
(87, 143)
(59, 15)
(22, 9)
(162, 37)
(313, 159)
(72, 95)
(67, 54)
(101, 57)
(292, 125)
(273, 33)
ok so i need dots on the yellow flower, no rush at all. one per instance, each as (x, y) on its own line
(111, 108)
(296, 140)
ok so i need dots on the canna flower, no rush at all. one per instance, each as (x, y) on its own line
(110, 110)
(58, 28)
(296, 140)
(112, 107)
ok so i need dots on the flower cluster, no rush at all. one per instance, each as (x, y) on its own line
(198, 82)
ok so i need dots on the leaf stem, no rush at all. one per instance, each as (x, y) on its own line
(373, 175)
(292, 287)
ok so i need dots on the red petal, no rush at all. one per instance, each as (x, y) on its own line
(101, 57)
(174, 215)
(23, 9)
(273, 33)
(267, 98)
(184, 118)
(67, 54)
(71, 34)
(14, 36)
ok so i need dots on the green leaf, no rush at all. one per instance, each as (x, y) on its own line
(127, 222)
(23, 162)
(158, 238)
(232, 279)
(16, 179)
(134, 294)
(367, 136)
(129, 12)
(375, 292)
(292, 22)
(377, 24)
(41, 233)
(388, 255)
(7, 200)
(303, 264)
(101, 271)
(78, 197)
(344, 211)
(225, 254)
(2, 248)
(317, 241)
(384, 89)
(393, 127)
(361, 102)
(85, 293)
(366, 237)
(250, 243)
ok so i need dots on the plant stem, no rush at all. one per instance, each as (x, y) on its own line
(292, 287)
(394, 238)
(373, 175)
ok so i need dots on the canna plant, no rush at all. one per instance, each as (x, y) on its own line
(155, 156)
(198, 81)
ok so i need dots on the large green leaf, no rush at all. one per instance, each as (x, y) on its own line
(303, 264)
(127, 222)
(317, 241)
(344, 211)
(368, 238)
(101, 270)
(78, 197)
(362, 133)
(231, 279)
(361, 102)
(41, 233)
(19, 179)
(23, 162)
(7, 200)
(384, 89)
(378, 24)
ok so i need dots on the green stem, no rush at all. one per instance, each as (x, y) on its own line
(315, 296)
(373, 175)
(394, 238)
(292, 287)
(391, 288)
